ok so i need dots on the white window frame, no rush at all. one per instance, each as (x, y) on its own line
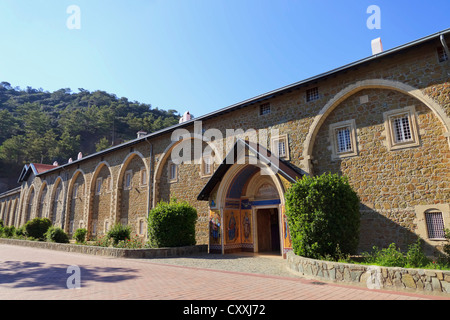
(393, 143)
(143, 175)
(207, 160)
(275, 146)
(334, 130)
(75, 191)
(127, 180)
(98, 186)
(170, 165)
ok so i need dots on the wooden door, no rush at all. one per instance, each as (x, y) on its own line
(264, 230)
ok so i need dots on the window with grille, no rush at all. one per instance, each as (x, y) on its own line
(312, 94)
(264, 109)
(401, 128)
(435, 225)
(343, 139)
(344, 142)
(207, 165)
(442, 54)
(280, 146)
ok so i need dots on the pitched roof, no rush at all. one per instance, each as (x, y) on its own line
(36, 168)
(274, 163)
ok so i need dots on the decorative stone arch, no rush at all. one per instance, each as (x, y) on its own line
(42, 211)
(119, 185)
(235, 169)
(91, 194)
(166, 154)
(356, 87)
(69, 197)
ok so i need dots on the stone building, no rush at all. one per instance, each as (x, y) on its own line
(383, 121)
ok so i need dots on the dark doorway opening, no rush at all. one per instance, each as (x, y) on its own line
(268, 231)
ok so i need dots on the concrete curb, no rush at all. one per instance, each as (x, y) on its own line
(111, 252)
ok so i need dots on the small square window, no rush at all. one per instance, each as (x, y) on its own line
(312, 94)
(401, 128)
(442, 54)
(264, 109)
(343, 139)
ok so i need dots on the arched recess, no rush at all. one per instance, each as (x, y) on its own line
(164, 158)
(29, 204)
(356, 87)
(76, 202)
(132, 191)
(98, 218)
(42, 201)
(57, 202)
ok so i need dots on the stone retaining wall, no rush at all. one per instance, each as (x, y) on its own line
(111, 252)
(372, 277)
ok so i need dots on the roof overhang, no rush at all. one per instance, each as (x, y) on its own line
(238, 154)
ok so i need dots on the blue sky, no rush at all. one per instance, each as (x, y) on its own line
(197, 55)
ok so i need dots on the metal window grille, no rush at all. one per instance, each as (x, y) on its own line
(312, 94)
(281, 148)
(264, 109)
(435, 225)
(402, 129)
(344, 142)
(442, 54)
(207, 165)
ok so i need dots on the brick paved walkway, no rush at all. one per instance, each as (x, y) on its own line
(27, 273)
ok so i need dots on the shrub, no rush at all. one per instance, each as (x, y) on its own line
(172, 225)
(56, 234)
(388, 257)
(37, 228)
(80, 235)
(119, 232)
(20, 232)
(323, 216)
(8, 232)
(415, 257)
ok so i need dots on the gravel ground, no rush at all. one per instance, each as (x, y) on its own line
(242, 262)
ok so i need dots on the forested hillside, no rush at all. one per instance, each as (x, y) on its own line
(43, 127)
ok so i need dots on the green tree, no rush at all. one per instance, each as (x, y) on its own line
(323, 216)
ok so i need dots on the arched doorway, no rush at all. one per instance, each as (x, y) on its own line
(251, 208)
(247, 187)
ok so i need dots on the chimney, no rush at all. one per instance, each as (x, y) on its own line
(377, 46)
(186, 117)
(80, 155)
(141, 133)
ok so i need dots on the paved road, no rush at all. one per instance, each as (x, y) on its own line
(29, 273)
